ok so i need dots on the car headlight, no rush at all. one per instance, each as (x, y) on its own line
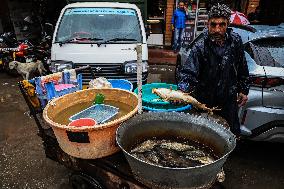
(131, 67)
(60, 66)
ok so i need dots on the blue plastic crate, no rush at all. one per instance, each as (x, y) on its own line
(99, 112)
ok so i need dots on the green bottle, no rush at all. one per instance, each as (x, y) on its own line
(99, 99)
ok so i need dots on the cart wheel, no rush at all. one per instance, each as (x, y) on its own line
(82, 181)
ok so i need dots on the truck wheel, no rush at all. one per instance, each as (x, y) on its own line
(83, 181)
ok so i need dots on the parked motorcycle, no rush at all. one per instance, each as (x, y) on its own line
(40, 49)
(8, 40)
(8, 44)
(36, 46)
(5, 58)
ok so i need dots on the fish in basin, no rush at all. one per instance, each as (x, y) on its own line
(168, 153)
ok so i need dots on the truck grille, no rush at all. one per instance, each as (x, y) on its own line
(109, 71)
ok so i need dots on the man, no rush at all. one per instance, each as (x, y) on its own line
(254, 17)
(216, 70)
(178, 24)
(188, 5)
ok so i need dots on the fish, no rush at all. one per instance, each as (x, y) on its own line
(171, 158)
(171, 95)
(204, 160)
(150, 144)
(145, 146)
(169, 153)
(199, 155)
(176, 146)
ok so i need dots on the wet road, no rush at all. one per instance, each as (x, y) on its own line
(23, 164)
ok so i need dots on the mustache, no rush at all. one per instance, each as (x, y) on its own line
(217, 36)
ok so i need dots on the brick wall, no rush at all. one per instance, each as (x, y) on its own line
(169, 14)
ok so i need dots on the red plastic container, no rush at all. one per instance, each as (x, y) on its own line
(83, 122)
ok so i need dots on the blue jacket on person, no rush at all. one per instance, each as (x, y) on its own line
(179, 18)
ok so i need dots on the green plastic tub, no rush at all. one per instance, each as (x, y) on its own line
(152, 102)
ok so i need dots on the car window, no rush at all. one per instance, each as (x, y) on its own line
(249, 48)
(189, 46)
(268, 52)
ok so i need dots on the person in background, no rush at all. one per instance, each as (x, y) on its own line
(188, 5)
(178, 25)
(216, 71)
(254, 17)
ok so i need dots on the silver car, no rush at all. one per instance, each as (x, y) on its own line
(262, 118)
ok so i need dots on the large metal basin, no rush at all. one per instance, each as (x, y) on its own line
(169, 125)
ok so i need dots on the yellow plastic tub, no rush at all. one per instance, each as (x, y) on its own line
(88, 142)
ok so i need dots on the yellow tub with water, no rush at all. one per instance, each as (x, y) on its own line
(89, 142)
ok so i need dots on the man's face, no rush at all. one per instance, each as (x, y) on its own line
(181, 5)
(217, 28)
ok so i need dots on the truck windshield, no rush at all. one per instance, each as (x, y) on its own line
(99, 25)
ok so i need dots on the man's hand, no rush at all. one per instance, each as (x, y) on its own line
(186, 10)
(242, 99)
(173, 28)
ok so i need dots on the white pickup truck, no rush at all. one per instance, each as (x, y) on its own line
(103, 35)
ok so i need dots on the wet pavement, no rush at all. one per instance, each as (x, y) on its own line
(22, 159)
(253, 165)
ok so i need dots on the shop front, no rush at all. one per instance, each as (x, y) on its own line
(14, 14)
(191, 5)
(156, 21)
(194, 26)
(265, 12)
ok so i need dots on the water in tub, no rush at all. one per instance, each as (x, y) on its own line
(67, 113)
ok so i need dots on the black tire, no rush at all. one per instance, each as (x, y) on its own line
(83, 181)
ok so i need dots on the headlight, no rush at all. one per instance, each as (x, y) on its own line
(59, 66)
(131, 67)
